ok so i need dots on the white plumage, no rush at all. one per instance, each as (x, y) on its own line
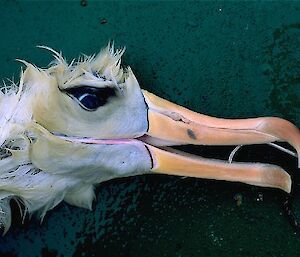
(20, 107)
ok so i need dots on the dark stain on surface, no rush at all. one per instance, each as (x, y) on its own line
(8, 255)
(103, 21)
(48, 253)
(191, 134)
(83, 3)
(283, 60)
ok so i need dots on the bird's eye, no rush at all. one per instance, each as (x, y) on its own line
(91, 98)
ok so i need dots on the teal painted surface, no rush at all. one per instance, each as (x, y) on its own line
(229, 59)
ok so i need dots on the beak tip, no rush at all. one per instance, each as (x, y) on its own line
(288, 187)
(284, 181)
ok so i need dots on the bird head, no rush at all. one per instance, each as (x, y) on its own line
(70, 126)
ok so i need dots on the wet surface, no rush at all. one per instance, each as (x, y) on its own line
(231, 59)
(283, 69)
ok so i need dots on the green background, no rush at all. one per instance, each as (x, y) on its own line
(223, 58)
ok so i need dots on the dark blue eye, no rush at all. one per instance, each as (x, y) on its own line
(91, 98)
(89, 101)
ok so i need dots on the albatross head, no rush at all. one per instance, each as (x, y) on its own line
(68, 127)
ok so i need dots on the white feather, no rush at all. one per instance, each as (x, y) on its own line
(38, 189)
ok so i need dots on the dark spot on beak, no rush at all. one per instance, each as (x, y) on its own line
(191, 134)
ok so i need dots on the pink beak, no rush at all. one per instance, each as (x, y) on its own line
(170, 124)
